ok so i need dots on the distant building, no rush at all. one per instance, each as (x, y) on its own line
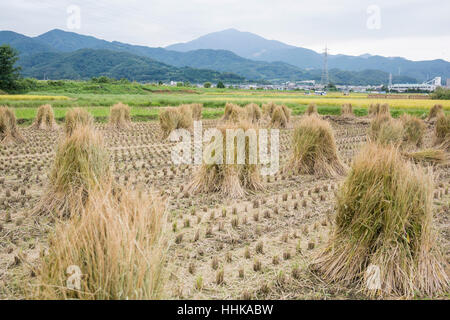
(430, 85)
(448, 83)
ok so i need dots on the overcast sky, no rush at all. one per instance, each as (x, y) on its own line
(415, 29)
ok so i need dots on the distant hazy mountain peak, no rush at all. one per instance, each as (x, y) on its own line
(245, 44)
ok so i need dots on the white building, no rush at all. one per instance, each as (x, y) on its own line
(426, 86)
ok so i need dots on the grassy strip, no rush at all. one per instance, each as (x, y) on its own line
(213, 99)
(25, 115)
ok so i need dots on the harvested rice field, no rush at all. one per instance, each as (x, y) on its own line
(265, 244)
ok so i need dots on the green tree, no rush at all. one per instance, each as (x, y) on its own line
(9, 75)
(207, 85)
(441, 93)
(220, 85)
(331, 87)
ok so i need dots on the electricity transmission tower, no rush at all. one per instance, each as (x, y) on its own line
(390, 82)
(325, 79)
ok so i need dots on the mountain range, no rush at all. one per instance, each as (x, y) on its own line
(229, 55)
(89, 63)
(252, 46)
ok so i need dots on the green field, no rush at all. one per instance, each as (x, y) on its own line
(145, 100)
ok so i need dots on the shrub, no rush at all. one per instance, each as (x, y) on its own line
(77, 117)
(314, 149)
(384, 219)
(117, 242)
(441, 94)
(9, 132)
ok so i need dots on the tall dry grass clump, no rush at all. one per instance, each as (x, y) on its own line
(384, 222)
(373, 109)
(254, 113)
(9, 132)
(311, 109)
(175, 118)
(45, 118)
(234, 179)
(196, 111)
(378, 109)
(120, 117)
(267, 109)
(390, 132)
(384, 109)
(376, 123)
(279, 117)
(435, 111)
(414, 130)
(81, 166)
(314, 149)
(169, 120)
(77, 117)
(287, 112)
(234, 113)
(186, 120)
(117, 242)
(347, 110)
(442, 130)
(432, 156)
